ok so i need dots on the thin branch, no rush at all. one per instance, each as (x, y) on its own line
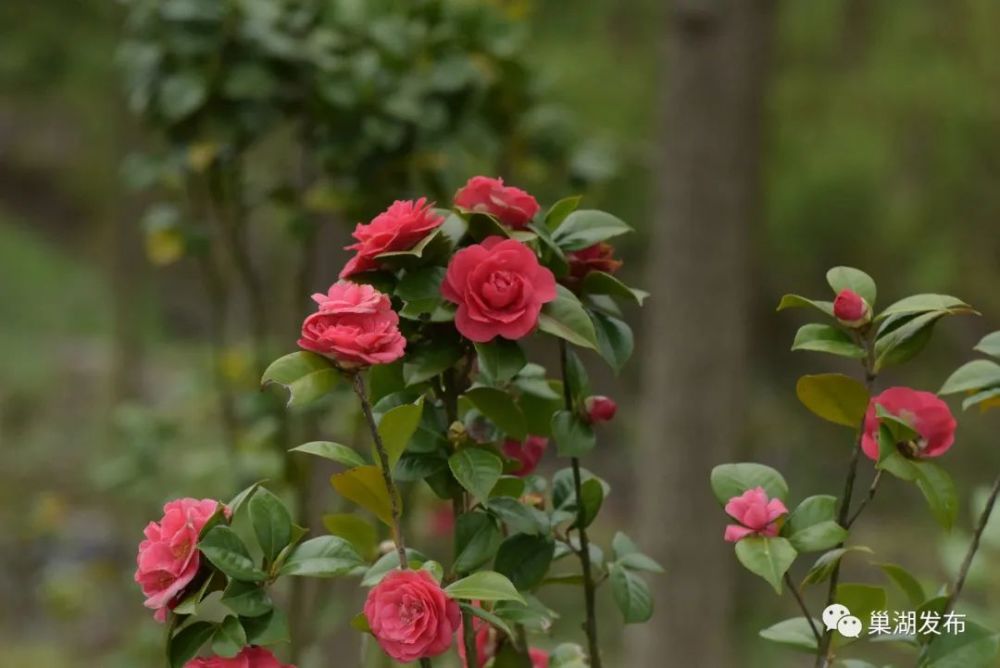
(865, 501)
(802, 606)
(984, 519)
(383, 456)
(589, 587)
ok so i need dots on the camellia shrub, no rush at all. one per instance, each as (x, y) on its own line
(898, 432)
(426, 324)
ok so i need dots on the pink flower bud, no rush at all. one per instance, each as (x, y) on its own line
(599, 409)
(851, 309)
(756, 514)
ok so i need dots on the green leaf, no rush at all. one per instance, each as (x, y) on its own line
(615, 341)
(389, 562)
(823, 568)
(484, 586)
(307, 376)
(566, 318)
(558, 212)
(729, 480)
(476, 470)
(477, 538)
(812, 511)
(421, 285)
(908, 584)
(190, 603)
(236, 503)
(797, 301)
(355, 530)
(489, 618)
(323, 557)
(631, 595)
(939, 490)
(518, 517)
(500, 408)
(976, 647)
(568, 655)
(482, 226)
(226, 551)
(982, 398)
(827, 339)
(640, 562)
(972, 377)
(795, 633)
(834, 397)
(592, 497)
(990, 345)
(573, 436)
(337, 452)
(849, 278)
(185, 644)
(385, 379)
(585, 227)
(818, 537)
(229, 638)
(525, 559)
(623, 546)
(181, 94)
(247, 599)
(500, 360)
(272, 524)
(770, 558)
(861, 599)
(925, 304)
(360, 623)
(601, 283)
(268, 629)
(429, 359)
(397, 427)
(904, 342)
(364, 486)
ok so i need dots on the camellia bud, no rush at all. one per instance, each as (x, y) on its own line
(599, 409)
(851, 309)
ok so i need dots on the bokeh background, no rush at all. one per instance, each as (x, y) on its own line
(177, 176)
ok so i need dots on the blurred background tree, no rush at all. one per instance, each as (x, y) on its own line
(878, 147)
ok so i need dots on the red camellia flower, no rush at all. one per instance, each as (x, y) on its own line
(926, 414)
(249, 657)
(398, 228)
(599, 257)
(599, 409)
(410, 615)
(168, 559)
(511, 206)
(851, 309)
(499, 287)
(755, 513)
(355, 326)
(539, 658)
(528, 452)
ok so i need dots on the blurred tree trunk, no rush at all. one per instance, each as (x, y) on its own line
(694, 362)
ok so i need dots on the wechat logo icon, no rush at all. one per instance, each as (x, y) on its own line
(838, 617)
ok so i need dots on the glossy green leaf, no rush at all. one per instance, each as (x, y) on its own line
(429, 359)
(397, 427)
(601, 283)
(592, 497)
(972, 377)
(558, 212)
(908, 584)
(989, 345)
(484, 586)
(631, 595)
(729, 480)
(272, 524)
(566, 318)
(906, 341)
(500, 360)
(181, 94)
(817, 537)
(615, 341)
(849, 278)
(811, 511)
(770, 558)
(939, 490)
(975, 647)
(489, 618)
(573, 436)
(925, 303)
(795, 633)
(364, 486)
(861, 599)
(223, 547)
(985, 399)
(834, 397)
(356, 530)
(247, 599)
(323, 557)
(307, 376)
(476, 470)
(477, 538)
(525, 559)
(640, 562)
(827, 339)
(500, 408)
(268, 629)
(389, 562)
(518, 517)
(229, 638)
(823, 568)
(336, 452)
(797, 301)
(585, 227)
(184, 645)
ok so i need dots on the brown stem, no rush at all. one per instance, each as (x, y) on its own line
(865, 501)
(963, 572)
(589, 586)
(383, 456)
(824, 652)
(802, 606)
